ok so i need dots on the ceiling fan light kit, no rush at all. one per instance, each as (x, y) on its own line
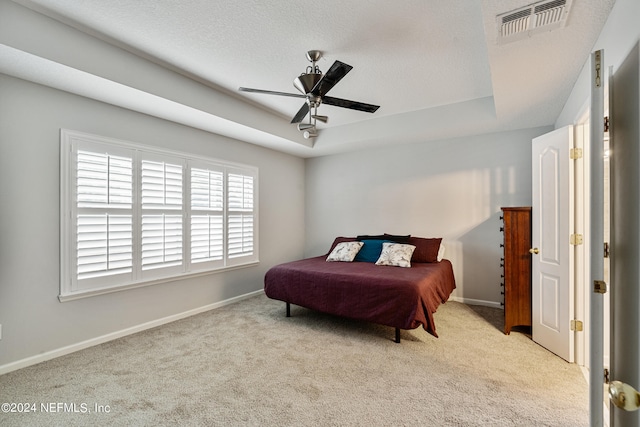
(313, 85)
(310, 133)
(305, 126)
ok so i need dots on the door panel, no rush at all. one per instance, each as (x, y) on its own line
(625, 228)
(550, 302)
(552, 220)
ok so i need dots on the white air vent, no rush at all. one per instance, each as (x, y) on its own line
(524, 22)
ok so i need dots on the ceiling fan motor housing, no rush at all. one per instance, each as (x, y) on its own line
(306, 82)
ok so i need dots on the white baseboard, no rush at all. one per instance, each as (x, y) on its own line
(472, 301)
(23, 363)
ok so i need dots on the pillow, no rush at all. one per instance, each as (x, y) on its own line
(441, 252)
(385, 236)
(370, 251)
(396, 254)
(340, 240)
(345, 251)
(396, 238)
(426, 249)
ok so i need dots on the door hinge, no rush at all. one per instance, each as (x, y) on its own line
(598, 68)
(575, 239)
(607, 250)
(575, 153)
(577, 326)
(599, 287)
(606, 124)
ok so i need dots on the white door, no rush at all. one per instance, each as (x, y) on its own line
(552, 254)
(596, 241)
(624, 164)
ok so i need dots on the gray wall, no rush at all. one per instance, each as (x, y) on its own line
(451, 189)
(33, 321)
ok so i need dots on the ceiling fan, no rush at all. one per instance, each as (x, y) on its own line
(313, 86)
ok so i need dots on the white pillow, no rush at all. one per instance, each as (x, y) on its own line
(396, 254)
(441, 252)
(345, 251)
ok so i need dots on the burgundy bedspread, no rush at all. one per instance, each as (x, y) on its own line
(404, 298)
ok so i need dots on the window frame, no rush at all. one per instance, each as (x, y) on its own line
(73, 288)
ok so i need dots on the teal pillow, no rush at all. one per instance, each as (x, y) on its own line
(370, 251)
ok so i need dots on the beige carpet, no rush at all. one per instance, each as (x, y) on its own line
(247, 364)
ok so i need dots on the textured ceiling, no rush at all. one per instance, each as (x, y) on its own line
(423, 61)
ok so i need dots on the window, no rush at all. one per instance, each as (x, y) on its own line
(134, 215)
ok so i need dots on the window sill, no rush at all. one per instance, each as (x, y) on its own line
(71, 296)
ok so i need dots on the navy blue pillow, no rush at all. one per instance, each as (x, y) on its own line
(370, 251)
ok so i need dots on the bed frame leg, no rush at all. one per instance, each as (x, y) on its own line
(398, 335)
(288, 310)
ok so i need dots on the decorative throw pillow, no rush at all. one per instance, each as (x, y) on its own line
(370, 251)
(396, 254)
(426, 249)
(340, 239)
(345, 251)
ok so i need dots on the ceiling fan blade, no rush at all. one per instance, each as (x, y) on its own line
(271, 92)
(301, 114)
(354, 105)
(337, 71)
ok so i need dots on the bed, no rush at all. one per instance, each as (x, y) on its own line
(400, 297)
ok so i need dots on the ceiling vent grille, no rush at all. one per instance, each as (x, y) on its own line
(538, 17)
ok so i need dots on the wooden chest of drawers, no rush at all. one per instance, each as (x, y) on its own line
(516, 264)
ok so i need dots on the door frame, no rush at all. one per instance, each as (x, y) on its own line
(581, 225)
(583, 222)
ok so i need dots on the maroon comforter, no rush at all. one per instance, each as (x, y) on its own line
(403, 298)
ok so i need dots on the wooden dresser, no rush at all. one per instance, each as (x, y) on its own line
(516, 266)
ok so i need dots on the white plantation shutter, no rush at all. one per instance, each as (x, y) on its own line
(241, 215)
(207, 191)
(161, 185)
(207, 220)
(133, 215)
(161, 226)
(104, 180)
(104, 245)
(161, 241)
(207, 238)
(104, 199)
